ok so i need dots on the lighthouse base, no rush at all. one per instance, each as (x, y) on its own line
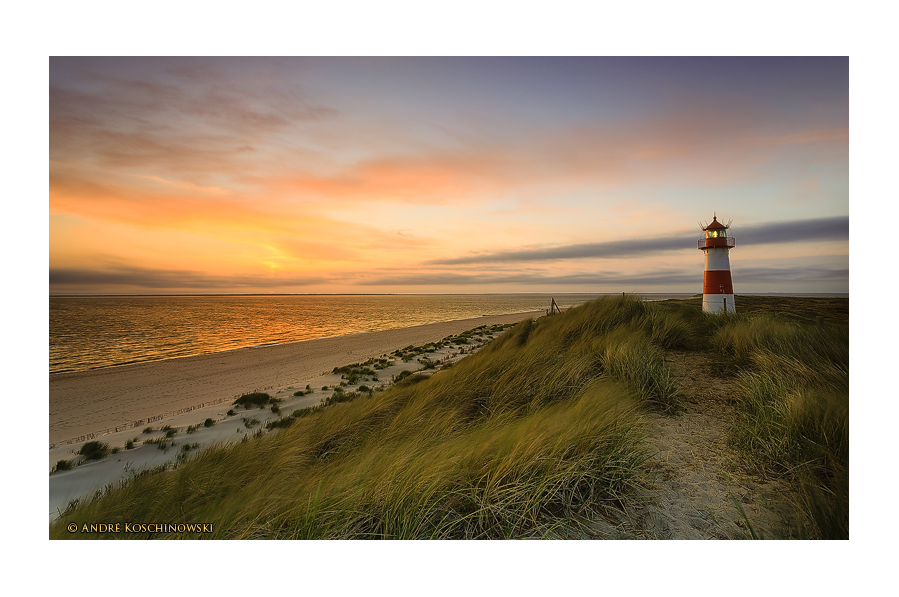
(718, 303)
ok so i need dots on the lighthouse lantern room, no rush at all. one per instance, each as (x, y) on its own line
(717, 287)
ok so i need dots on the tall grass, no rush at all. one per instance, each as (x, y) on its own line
(634, 360)
(530, 436)
(794, 394)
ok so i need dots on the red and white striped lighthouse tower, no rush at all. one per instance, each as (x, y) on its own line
(717, 287)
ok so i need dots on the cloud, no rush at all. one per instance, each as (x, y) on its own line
(227, 120)
(836, 228)
(119, 277)
(743, 276)
(292, 229)
(783, 232)
(597, 278)
(761, 275)
(198, 123)
(668, 278)
(136, 279)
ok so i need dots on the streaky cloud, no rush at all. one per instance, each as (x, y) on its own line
(662, 278)
(160, 279)
(836, 228)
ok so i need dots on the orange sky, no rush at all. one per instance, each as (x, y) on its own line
(444, 175)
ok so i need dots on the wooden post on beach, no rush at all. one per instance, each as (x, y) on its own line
(554, 307)
(819, 320)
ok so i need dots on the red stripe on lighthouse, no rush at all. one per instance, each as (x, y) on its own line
(717, 282)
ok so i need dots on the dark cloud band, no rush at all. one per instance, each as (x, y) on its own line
(745, 276)
(781, 232)
(63, 279)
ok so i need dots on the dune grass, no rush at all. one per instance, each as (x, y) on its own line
(534, 435)
(528, 437)
(794, 398)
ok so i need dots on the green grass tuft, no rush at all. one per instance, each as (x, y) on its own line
(259, 399)
(94, 450)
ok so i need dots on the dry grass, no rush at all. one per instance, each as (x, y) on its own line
(532, 436)
(794, 394)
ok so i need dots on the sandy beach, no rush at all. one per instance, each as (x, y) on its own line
(85, 405)
(118, 404)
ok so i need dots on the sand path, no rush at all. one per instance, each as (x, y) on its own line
(698, 485)
(90, 404)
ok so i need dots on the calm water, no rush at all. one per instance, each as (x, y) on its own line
(91, 332)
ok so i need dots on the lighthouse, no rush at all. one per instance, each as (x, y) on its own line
(717, 287)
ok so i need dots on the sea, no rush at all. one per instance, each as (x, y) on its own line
(91, 332)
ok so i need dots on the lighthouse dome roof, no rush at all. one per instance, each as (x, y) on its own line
(715, 225)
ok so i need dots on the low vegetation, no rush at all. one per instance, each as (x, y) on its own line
(94, 450)
(161, 443)
(253, 399)
(63, 465)
(794, 397)
(535, 435)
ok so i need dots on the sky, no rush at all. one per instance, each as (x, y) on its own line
(433, 175)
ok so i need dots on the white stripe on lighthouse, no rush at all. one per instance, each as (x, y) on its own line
(715, 303)
(716, 259)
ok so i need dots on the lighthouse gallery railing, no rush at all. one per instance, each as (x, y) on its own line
(721, 241)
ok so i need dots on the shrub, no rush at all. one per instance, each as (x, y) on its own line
(63, 465)
(259, 399)
(94, 450)
(208, 423)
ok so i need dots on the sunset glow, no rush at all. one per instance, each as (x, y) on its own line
(374, 175)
